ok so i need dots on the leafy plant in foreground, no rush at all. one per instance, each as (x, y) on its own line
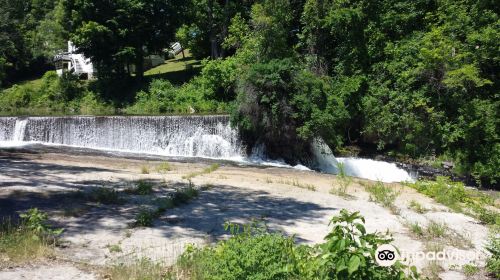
(255, 253)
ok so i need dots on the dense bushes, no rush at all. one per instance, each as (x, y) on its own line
(163, 97)
(284, 106)
(254, 253)
(415, 77)
(52, 95)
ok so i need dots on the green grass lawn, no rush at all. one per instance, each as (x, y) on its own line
(178, 70)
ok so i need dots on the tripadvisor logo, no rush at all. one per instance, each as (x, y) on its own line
(386, 255)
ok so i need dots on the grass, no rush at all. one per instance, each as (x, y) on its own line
(383, 195)
(28, 240)
(141, 269)
(438, 234)
(207, 170)
(104, 195)
(436, 230)
(175, 64)
(432, 270)
(164, 204)
(115, 248)
(293, 182)
(163, 167)
(20, 244)
(417, 207)
(145, 218)
(144, 169)
(455, 196)
(142, 188)
(470, 269)
(416, 229)
(344, 181)
(182, 196)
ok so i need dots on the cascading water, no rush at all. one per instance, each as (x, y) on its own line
(357, 167)
(19, 130)
(177, 136)
(188, 136)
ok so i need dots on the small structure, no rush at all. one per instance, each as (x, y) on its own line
(74, 62)
(176, 48)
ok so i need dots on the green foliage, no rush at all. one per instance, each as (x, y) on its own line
(254, 253)
(52, 95)
(36, 221)
(145, 218)
(144, 188)
(163, 97)
(30, 239)
(207, 170)
(104, 195)
(418, 78)
(385, 195)
(184, 195)
(119, 33)
(455, 196)
(163, 167)
(344, 180)
(284, 107)
(470, 269)
(443, 191)
(143, 269)
(493, 262)
(417, 207)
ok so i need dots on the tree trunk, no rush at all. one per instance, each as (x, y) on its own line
(139, 64)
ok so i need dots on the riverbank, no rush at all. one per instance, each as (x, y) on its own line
(298, 203)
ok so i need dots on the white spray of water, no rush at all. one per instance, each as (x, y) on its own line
(358, 167)
(177, 136)
(19, 130)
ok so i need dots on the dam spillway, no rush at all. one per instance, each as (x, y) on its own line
(210, 136)
(179, 136)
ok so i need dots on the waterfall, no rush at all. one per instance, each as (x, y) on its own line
(176, 136)
(189, 136)
(19, 130)
(357, 167)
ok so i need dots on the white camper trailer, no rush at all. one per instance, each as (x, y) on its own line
(74, 63)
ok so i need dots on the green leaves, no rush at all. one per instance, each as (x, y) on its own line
(354, 262)
(254, 253)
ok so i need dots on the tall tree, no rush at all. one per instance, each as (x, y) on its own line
(117, 33)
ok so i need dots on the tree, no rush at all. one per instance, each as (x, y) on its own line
(117, 33)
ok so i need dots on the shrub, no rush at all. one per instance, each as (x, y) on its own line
(183, 196)
(255, 253)
(143, 188)
(455, 196)
(443, 191)
(417, 207)
(144, 169)
(493, 262)
(344, 181)
(30, 239)
(163, 167)
(382, 194)
(144, 218)
(104, 195)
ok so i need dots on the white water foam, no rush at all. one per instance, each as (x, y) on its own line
(175, 136)
(358, 167)
(19, 130)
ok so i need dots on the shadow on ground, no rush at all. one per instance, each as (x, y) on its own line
(52, 191)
